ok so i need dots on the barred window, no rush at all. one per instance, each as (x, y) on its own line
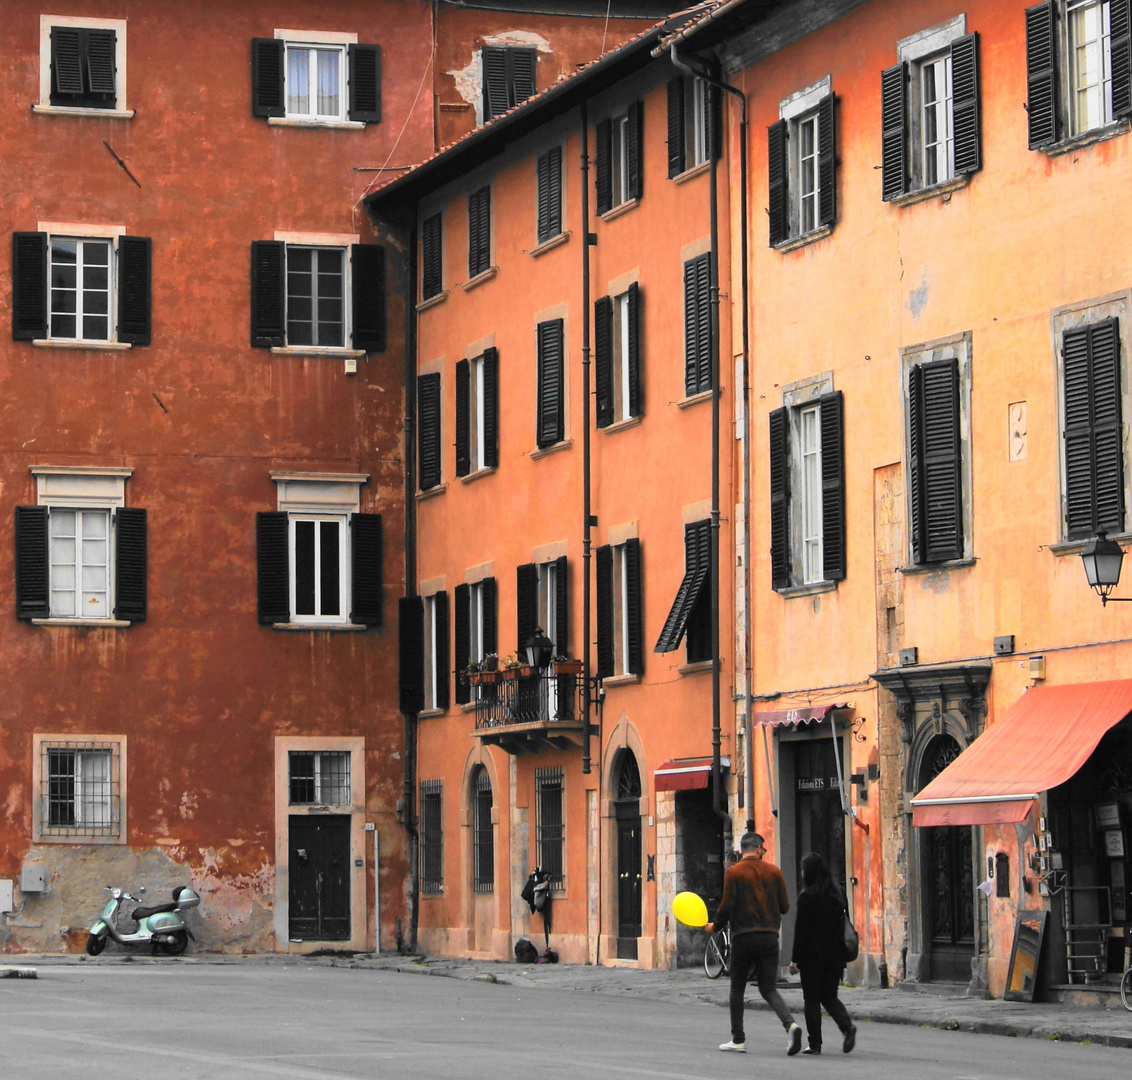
(321, 778)
(483, 837)
(431, 838)
(551, 826)
(79, 789)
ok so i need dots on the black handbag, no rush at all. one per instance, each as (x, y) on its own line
(849, 936)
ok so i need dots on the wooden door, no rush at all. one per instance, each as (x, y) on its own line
(319, 869)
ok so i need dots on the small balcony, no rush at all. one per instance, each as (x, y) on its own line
(525, 713)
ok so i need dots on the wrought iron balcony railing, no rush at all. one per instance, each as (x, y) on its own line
(515, 712)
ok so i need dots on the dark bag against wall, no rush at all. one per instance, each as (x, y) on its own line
(849, 936)
(525, 952)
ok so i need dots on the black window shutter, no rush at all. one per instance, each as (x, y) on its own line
(604, 577)
(697, 324)
(550, 423)
(522, 75)
(780, 559)
(550, 194)
(463, 418)
(29, 286)
(636, 395)
(603, 168)
(432, 279)
(832, 485)
(1120, 50)
(778, 205)
(367, 266)
(101, 66)
(130, 564)
(490, 641)
(634, 607)
(675, 126)
(494, 81)
(1104, 359)
(135, 260)
(603, 361)
(917, 532)
(894, 131)
(365, 83)
(562, 606)
(366, 569)
(428, 430)
(440, 648)
(269, 307)
(479, 231)
(460, 641)
(697, 565)
(526, 604)
(1041, 75)
(542, 191)
(635, 150)
(273, 591)
(267, 77)
(32, 596)
(827, 159)
(965, 103)
(490, 408)
(943, 490)
(410, 654)
(66, 63)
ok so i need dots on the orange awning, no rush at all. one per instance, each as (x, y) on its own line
(1040, 742)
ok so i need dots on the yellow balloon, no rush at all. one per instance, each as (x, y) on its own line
(689, 909)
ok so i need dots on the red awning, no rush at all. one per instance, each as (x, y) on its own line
(1040, 742)
(686, 774)
(809, 714)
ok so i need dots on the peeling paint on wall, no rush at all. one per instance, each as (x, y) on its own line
(468, 82)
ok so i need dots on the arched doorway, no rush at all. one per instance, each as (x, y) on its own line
(627, 811)
(482, 801)
(946, 880)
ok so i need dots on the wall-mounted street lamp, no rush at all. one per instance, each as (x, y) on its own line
(539, 649)
(1102, 558)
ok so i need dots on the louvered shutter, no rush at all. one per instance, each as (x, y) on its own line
(460, 641)
(490, 408)
(603, 361)
(32, 595)
(778, 205)
(965, 104)
(130, 564)
(410, 654)
(636, 392)
(832, 414)
(365, 83)
(526, 605)
(675, 126)
(943, 490)
(366, 570)
(463, 418)
(562, 606)
(697, 325)
(134, 291)
(440, 648)
(550, 374)
(66, 63)
(1041, 75)
(101, 47)
(29, 286)
(916, 527)
(549, 177)
(367, 273)
(273, 591)
(479, 231)
(634, 607)
(494, 81)
(1120, 50)
(827, 160)
(606, 663)
(1104, 358)
(431, 267)
(269, 305)
(428, 430)
(780, 559)
(523, 63)
(268, 97)
(603, 169)
(697, 568)
(490, 641)
(635, 150)
(894, 131)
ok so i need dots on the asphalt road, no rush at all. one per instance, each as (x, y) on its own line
(116, 1020)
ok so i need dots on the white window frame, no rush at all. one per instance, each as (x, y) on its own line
(113, 830)
(696, 133)
(620, 359)
(1097, 86)
(937, 157)
(345, 242)
(120, 110)
(620, 611)
(316, 40)
(432, 676)
(475, 620)
(477, 437)
(800, 111)
(343, 273)
(619, 160)
(809, 432)
(82, 289)
(321, 765)
(809, 174)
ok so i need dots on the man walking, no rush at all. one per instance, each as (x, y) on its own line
(754, 901)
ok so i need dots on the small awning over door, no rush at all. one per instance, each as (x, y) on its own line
(686, 774)
(808, 714)
(1040, 742)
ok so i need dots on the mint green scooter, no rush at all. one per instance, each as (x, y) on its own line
(160, 925)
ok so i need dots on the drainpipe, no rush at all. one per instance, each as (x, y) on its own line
(587, 519)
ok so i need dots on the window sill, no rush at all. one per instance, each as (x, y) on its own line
(479, 474)
(1073, 547)
(544, 451)
(933, 568)
(620, 680)
(692, 173)
(549, 245)
(432, 492)
(428, 714)
(74, 110)
(1088, 138)
(432, 301)
(333, 353)
(66, 343)
(621, 425)
(334, 125)
(474, 283)
(796, 242)
(333, 628)
(468, 706)
(695, 399)
(89, 624)
(58, 838)
(923, 194)
(811, 589)
(619, 209)
(696, 668)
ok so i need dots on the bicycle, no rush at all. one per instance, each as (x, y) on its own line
(1125, 987)
(717, 954)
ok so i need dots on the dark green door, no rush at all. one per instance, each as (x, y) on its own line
(319, 868)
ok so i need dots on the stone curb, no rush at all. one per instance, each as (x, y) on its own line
(18, 973)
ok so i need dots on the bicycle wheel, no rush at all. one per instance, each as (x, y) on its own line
(1126, 989)
(714, 964)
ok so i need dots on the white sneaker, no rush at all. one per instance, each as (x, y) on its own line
(794, 1037)
(739, 1048)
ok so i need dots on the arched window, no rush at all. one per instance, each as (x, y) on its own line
(483, 837)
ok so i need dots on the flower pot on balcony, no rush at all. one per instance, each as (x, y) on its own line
(475, 678)
(509, 673)
(488, 678)
(568, 667)
(525, 671)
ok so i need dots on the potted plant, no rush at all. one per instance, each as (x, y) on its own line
(565, 666)
(511, 668)
(474, 673)
(489, 668)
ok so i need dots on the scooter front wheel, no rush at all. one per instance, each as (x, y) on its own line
(95, 943)
(178, 942)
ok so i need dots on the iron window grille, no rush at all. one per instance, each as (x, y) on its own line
(483, 836)
(321, 778)
(551, 826)
(431, 838)
(81, 789)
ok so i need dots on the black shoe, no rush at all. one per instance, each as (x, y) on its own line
(850, 1039)
(812, 1050)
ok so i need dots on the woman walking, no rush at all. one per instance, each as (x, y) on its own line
(819, 952)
